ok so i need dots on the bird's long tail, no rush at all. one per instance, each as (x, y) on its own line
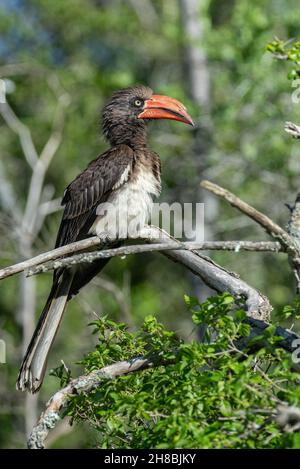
(33, 367)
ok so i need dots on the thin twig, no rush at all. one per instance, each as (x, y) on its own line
(89, 257)
(288, 418)
(23, 132)
(292, 129)
(40, 169)
(83, 245)
(293, 228)
(289, 239)
(49, 255)
(271, 227)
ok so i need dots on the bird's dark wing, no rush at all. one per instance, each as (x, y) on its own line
(81, 198)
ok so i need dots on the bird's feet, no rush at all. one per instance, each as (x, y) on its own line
(107, 237)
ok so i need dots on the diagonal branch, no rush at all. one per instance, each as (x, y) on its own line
(213, 275)
(48, 256)
(289, 239)
(23, 132)
(41, 167)
(271, 227)
(292, 129)
(86, 383)
(8, 199)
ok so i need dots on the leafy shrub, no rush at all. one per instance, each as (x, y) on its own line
(197, 395)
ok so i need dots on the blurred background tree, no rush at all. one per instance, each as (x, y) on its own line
(61, 61)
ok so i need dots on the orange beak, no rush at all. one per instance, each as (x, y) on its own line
(163, 107)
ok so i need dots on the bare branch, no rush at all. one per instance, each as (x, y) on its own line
(288, 418)
(22, 131)
(292, 129)
(145, 12)
(89, 257)
(289, 239)
(41, 167)
(293, 228)
(26, 225)
(83, 384)
(49, 255)
(236, 246)
(22, 68)
(83, 245)
(39, 164)
(45, 209)
(288, 242)
(50, 206)
(271, 228)
(7, 197)
(213, 275)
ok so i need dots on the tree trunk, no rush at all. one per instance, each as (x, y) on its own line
(199, 90)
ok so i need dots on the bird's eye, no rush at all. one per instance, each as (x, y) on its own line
(138, 102)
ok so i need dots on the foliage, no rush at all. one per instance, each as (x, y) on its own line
(287, 50)
(290, 312)
(198, 395)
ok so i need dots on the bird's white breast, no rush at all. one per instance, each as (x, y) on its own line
(128, 208)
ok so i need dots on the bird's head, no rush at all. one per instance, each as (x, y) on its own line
(125, 115)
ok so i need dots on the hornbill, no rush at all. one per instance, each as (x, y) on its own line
(123, 180)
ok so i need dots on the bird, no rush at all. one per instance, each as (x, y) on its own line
(116, 190)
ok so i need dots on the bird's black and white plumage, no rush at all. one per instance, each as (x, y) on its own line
(113, 193)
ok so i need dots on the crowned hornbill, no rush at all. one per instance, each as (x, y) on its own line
(122, 180)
